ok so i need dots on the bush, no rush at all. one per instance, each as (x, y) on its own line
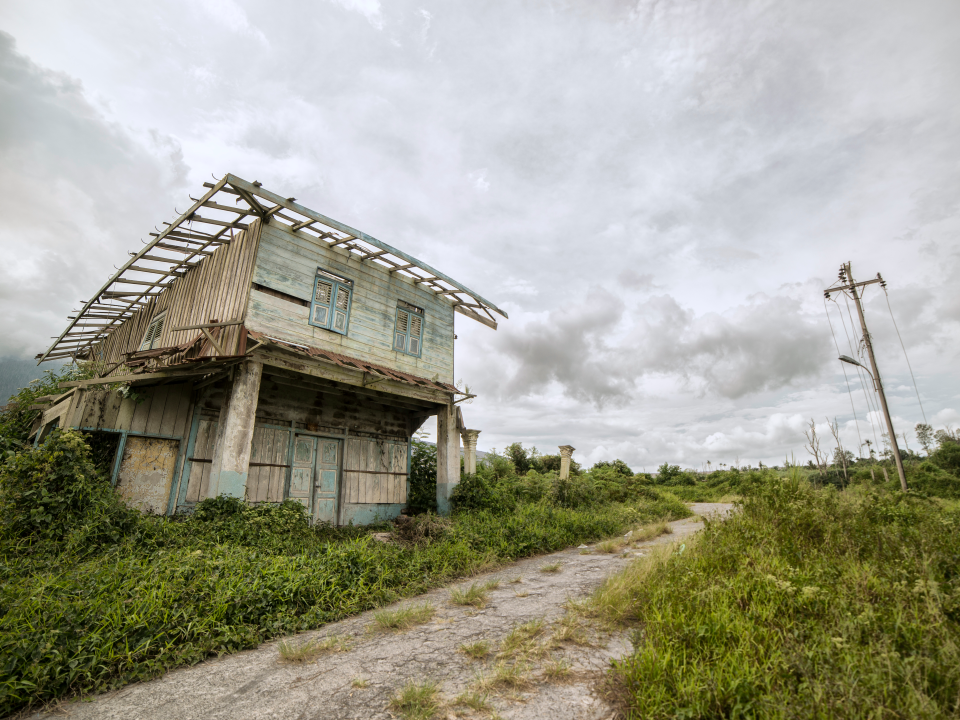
(53, 492)
(422, 497)
(16, 417)
(805, 603)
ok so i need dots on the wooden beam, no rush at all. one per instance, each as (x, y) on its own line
(213, 342)
(184, 250)
(226, 208)
(250, 188)
(208, 325)
(219, 223)
(136, 378)
(475, 316)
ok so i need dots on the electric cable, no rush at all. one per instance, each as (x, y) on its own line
(863, 383)
(915, 388)
(845, 378)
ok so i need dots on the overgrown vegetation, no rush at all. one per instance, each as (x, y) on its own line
(806, 603)
(95, 595)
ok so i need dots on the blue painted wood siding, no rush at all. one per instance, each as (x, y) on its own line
(288, 262)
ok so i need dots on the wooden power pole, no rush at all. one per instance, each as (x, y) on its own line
(868, 342)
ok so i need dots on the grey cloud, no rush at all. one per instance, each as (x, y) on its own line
(597, 351)
(78, 191)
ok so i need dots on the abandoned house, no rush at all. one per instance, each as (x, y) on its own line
(255, 348)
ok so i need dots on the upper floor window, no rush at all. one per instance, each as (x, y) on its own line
(330, 308)
(151, 338)
(408, 337)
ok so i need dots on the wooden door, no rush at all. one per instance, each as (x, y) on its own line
(146, 473)
(325, 502)
(304, 462)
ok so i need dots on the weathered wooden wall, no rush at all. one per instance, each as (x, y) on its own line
(287, 262)
(217, 287)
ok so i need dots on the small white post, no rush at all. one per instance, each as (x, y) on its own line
(565, 452)
(469, 451)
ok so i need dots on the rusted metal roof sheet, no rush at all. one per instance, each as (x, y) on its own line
(352, 363)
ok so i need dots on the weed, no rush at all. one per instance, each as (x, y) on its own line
(551, 567)
(477, 650)
(514, 675)
(474, 700)
(312, 649)
(805, 603)
(417, 702)
(404, 618)
(649, 532)
(517, 579)
(477, 594)
(570, 628)
(524, 640)
(610, 546)
(521, 593)
(359, 683)
(557, 671)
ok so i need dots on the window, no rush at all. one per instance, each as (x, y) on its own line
(152, 336)
(330, 308)
(408, 337)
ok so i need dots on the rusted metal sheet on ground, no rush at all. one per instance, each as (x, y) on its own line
(146, 473)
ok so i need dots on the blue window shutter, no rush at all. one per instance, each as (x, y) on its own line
(341, 309)
(400, 336)
(320, 308)
(416, 332)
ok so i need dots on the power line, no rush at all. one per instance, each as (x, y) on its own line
(915, 388)
(842, 367)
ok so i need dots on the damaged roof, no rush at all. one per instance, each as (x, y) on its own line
(184, 242)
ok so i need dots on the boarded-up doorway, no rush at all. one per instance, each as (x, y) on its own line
(146, 473)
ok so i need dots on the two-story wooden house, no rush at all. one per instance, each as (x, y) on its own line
(255, 348)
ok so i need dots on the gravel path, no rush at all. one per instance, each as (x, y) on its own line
(359, 682)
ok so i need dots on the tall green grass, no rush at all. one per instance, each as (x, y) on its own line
(804, 604)
(93, 596)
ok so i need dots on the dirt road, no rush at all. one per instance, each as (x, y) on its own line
(359, 682)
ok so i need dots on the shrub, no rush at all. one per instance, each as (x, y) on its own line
(422, 497)
(806, 603)
(53, 491)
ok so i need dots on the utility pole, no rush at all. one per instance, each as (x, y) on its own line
(846, 274)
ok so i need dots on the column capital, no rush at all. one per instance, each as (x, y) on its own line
(469, 436)
(566, 451)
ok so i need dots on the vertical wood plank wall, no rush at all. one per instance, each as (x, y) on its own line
(374, 471)
(216, 288)
(287, 262)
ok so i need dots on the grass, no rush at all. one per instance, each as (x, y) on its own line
(94, 596)
(417, 701)
(806, 603)
(477, 595)
(477, 650)
(551, 567)
(359, 683)
(525, 640)
(521, 593)
(514, 675)
(611, 546)
(557, 671)
(476, 701)
(403, 618)
(310, 650)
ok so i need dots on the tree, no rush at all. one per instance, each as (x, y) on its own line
(813, 447)
(839, 453)
(924, 436)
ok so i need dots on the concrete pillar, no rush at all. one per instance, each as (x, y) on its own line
(448, 457)
(565, 452)
(231, 453)
(469, 451)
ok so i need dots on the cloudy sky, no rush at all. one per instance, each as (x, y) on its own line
(656, 191)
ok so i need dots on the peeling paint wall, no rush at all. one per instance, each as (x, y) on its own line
(146, 473)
